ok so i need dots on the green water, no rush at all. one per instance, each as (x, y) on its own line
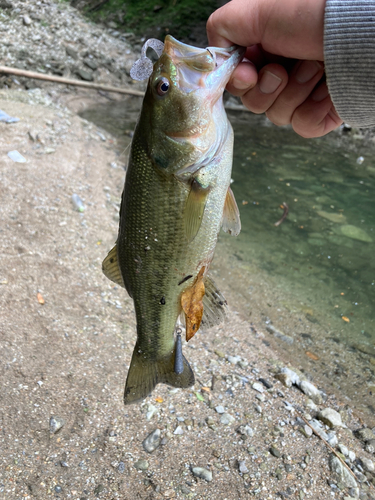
(324, 251)
(315, 268)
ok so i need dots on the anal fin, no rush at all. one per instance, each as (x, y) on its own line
(231, 215)
(111, 268)
(214, 304)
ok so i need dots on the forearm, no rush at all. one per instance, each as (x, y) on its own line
(349, 53)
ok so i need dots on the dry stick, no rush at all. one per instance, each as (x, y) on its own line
(67, 81)
(328, 446)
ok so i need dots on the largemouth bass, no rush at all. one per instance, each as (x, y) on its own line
(176, 198)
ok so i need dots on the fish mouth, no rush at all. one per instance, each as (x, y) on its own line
(199, 68)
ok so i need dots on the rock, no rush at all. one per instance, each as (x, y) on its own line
(306, 431)
(365, 434)
(280, 335)
(220, 354)
(4, 4)
(330, 417)
(179, 430)
(26, 20)
(318, 427)
(311, 391)
(275, 452)
(332, 439)
(343, 449)
(71, 52)
(351, 456)
(266, 383)
(85, 75)
(121, 467)
(311, 405)
(226, 419)
(341, 473)
(291, 374)
(91, 64)
(233, 359)
(141, 464)
(55, 424)
(151, 410)
(202, 473)
(337, 218)
(152, 441)
(58, 489)
(242, 467)
(355, 233)
(258, 387)
(245, 431)
(220, 409)
(367, 464)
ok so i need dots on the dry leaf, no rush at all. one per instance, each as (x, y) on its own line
(206, 389)
(312, 356)
(39, 296)
(192, 305)
(159, 399)
(347, 320)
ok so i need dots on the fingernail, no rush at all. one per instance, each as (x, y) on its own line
(269, 83)
(320, 93)
(307, 70)
(240, 84)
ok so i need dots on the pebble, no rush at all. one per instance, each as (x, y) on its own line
(85, 75)
(332, 439)
(266, 383)
(179, 430)
(351, 456)
(141, 464)
(343, 449)
(341, 473)
(367, 464)
(220, 409)
(152, 441)
(26, 20)
(242, 467)
(58, 489)
(55, 424)
(16, 157)
(233, 359)
(151, 410)
(365, 434)
(202, 473)
(227, 419)
(311, 391)
(258, 387)
(245, 430)
(318, 427)
(121, 467)
(306, 431)
(275, 452)
(330, 417)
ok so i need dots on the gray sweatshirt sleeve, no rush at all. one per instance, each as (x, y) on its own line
(349, 53)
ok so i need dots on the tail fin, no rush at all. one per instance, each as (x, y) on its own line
(144, 374)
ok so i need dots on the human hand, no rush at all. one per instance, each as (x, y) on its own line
(282, 73)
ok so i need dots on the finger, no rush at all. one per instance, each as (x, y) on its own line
(272, 79)
(302, 81)
(317, 115)
(229, 25)
(244, 78)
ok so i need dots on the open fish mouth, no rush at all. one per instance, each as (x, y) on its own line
(195, 67)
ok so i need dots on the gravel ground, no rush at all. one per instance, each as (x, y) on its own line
(67, 334)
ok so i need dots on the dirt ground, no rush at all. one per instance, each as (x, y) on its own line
(67, 335)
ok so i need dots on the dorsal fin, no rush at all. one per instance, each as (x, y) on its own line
(111, 269)
(231, 215)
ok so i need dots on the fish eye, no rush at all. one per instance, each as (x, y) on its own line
(162, 86)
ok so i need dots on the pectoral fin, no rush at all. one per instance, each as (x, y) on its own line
(214, 304)
(192, 305)
(111, 269)
(231, 215)
(194, 209)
